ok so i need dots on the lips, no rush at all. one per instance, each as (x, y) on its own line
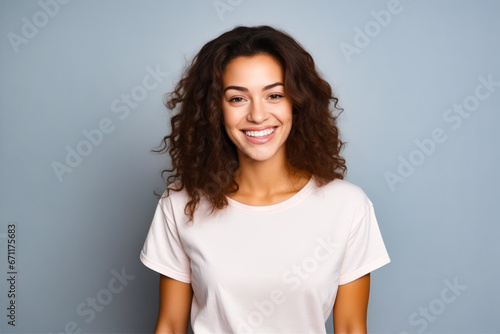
(260, 135)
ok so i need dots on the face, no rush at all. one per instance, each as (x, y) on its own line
(257, 113)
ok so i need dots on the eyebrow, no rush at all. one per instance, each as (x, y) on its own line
(244, 89)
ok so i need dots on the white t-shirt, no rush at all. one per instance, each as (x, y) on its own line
(267, 269)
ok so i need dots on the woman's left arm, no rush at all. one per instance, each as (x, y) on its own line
(350, 308)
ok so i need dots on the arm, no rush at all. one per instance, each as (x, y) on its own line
(175, 306)
(350, 308)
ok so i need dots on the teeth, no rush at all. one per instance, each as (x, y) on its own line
(262, 133)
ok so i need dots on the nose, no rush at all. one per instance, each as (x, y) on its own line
(257, 112)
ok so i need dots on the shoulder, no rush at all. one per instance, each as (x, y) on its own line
(174, 200)
(345, 189)
(343, 192)
(175, 193)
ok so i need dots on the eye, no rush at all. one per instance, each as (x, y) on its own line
(236, 99)
(275, 96)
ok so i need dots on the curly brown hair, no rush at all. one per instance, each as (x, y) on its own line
(204, 159)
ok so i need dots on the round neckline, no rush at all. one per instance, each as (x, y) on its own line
(297, 197)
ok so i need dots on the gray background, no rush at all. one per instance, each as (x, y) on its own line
(440, 225)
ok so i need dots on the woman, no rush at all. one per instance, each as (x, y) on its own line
(257, 231)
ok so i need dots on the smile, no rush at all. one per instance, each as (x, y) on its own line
(260, 137)
(257, 134)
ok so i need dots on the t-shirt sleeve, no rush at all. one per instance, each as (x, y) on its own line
(163, 250)
(365, 250)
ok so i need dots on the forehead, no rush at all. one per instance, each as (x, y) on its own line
(253, 70)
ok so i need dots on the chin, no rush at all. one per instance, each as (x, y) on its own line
(259, 156)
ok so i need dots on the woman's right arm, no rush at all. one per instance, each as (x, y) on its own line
(175, 306)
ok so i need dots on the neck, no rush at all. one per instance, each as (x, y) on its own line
(264, 178)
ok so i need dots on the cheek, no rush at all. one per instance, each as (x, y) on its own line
(287, 115)
(230, 122)
(231, 117)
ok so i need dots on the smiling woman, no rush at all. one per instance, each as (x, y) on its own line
(257, 230)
